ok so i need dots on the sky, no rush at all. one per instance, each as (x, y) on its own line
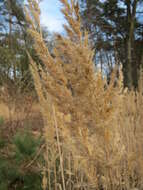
(51, 17)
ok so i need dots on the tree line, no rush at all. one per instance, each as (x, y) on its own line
(14, 42)
(115, 29)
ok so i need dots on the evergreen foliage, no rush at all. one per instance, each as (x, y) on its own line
(13, 172)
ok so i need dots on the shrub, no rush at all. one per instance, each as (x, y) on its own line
(16, 166)
(25, 146)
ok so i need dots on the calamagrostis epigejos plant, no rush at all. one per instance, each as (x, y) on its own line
(78, 105)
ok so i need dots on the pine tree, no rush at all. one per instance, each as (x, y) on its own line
(115, 27)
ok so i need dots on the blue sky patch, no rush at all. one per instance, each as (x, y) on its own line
(51, 16)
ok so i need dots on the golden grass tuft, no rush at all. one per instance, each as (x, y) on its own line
(98, 124)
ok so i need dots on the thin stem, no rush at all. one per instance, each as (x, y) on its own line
(59, 149)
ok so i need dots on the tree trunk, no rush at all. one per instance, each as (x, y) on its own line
(129, 64)
(130, 70)
(10, 38)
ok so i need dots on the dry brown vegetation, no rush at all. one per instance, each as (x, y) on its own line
(94, 128)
